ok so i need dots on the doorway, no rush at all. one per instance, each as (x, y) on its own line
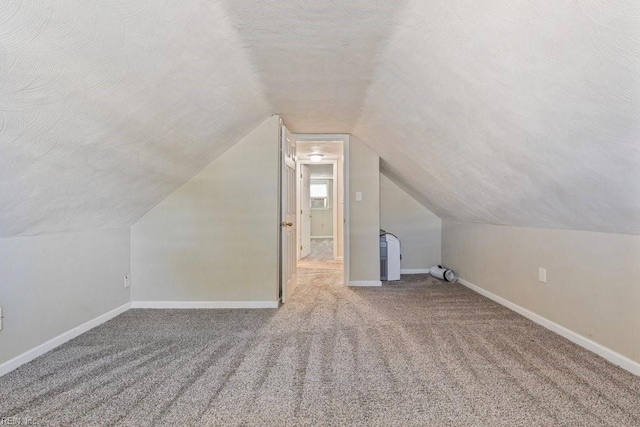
(321, 183)
(319, 206)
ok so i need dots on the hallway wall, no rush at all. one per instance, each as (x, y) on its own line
(364, 221)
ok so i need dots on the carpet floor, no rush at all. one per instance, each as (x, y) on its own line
(415, 352)
(320, 256)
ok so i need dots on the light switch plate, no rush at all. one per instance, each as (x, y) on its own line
(358, 196)
(542, 275)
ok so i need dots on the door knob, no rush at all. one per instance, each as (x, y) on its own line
(286, 224)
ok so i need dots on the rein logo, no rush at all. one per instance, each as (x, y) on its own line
(17, 421)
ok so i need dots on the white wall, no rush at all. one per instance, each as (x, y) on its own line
(53, 283)
(418, 229)
(216, 237)
(364, 216)
(593, 279)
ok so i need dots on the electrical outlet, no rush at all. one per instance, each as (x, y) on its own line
(542, 275)
(127, 281)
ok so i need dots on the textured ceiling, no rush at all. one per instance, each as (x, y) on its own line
(504, 112)
(513, 112)
(315, 58)
(106, 107)
(331, 150)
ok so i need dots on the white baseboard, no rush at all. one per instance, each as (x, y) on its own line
(322, 237)
(38, 351)
(612, 356)
(204, 304)
(414, 271)
(365, 283)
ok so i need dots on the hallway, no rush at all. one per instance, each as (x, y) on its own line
(321, 257)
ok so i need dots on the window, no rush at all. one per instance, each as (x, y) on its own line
(319, 192)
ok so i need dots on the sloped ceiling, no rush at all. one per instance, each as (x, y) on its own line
(315, 58)
(504, 112)
(514, 112)
(108, 106)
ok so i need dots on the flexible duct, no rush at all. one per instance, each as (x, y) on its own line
(443, 273)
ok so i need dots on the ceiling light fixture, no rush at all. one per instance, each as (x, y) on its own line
(316, 157)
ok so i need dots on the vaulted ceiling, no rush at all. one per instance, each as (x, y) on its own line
(506, 112)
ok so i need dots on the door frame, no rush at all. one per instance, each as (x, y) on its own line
(344, 138)
(335, 202)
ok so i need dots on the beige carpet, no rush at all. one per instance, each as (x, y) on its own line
(418, 352)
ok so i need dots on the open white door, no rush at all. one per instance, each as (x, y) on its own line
(288, 216)
(305, 211)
